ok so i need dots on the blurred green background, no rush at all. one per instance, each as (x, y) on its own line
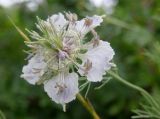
(131, 26)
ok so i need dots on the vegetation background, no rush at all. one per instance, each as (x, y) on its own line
(133, 30)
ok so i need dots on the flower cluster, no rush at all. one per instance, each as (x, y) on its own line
(60, 54)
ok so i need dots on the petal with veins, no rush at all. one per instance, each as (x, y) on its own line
(83, 28)
(62, 88)
(100, 57)
(34, 69)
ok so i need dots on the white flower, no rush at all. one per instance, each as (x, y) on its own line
(34, 70)
(62, 88)
(96, 61)
(62, 45)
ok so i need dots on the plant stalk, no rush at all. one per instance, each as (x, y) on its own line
(88, 106)
(2, 115)
(141, 90)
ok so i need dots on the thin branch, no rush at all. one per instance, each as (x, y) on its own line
(2, 116)
(88, 106)
(141, 90)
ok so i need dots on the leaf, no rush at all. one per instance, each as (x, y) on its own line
(19, 30)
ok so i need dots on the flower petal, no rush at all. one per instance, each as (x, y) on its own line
(34, 69)
(62, 90)
(58, 21)
(99, 58)
(83, 28)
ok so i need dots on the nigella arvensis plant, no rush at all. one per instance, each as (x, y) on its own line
(60, 55)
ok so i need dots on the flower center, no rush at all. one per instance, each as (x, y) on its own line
(61, 88)
(62, 55)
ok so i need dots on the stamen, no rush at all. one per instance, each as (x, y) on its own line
(88, 22)
(96, 38)
(72, 17)
(87, 66)
(60, 87)
(61, 84)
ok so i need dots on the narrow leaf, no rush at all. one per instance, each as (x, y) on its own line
(19, 30)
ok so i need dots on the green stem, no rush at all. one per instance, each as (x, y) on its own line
(2, 115)
(88, 106)
(143, 92)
